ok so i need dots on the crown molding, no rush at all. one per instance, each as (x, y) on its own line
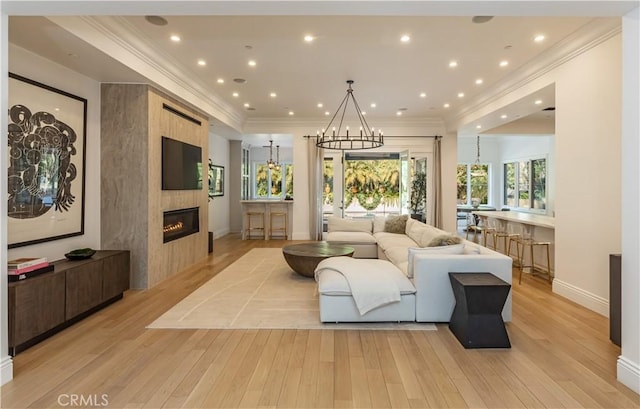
(582, 40)
(123, 42)
(311, 124)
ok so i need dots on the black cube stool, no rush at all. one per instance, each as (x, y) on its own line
(477, 317)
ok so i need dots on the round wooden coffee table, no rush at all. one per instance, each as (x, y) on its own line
(304, 258)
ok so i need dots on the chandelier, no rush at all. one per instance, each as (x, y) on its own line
(365, 139)
(270, 163)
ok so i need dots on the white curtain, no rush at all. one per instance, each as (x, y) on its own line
(437, 183)
(316, 170)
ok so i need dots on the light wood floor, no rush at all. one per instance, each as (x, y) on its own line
(561, 358)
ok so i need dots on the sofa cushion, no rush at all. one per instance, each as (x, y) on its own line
(378, 223)
(396, 224)
(331, 282)
(354, 237)
(421, 233)
(453, 249)
(397, 255)
(340, 224)
(387, 240)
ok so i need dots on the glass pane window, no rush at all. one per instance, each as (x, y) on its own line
(461, 178)
(530, 191)
(327, 190)
(371, 183)
(269, 183)
(539, 183)
(510, 184)
(523, 184)
(472, 183)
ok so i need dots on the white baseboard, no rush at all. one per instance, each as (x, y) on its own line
(300, 236)
(6, 369)
(629, 374)
(221, 232)
(582, 297)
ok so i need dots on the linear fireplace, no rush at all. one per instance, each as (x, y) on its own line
(180, 223)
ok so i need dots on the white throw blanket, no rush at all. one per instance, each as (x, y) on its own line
(370, 284)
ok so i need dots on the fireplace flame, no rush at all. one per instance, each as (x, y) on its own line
(173, 227)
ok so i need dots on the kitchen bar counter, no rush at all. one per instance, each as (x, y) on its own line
(267, 207)
(520, 217)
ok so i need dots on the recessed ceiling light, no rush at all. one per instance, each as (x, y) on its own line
(538, 102)
(309, 38)
(373, 105)
(220, 81)
(446, 105)
(479, 81)
(503, 116)
(460, 94)
(290, 112)
(399, 113)
(364, 112)
(478, 126)
(504, 63)
(246, 105)
(156, 20)
(453, 64)
(202, 63)
(329, 113)
(57, 109)
(252, 63)
(539, 38)
(273, 95)
(423, 95)
(320, 105)
(235, 94)
(481, 19)
(405, 38)
(175, 38)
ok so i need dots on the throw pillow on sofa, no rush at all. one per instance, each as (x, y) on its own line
(444, 240)
(395, 224)
(453, 249)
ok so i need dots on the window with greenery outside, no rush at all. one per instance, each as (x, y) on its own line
(372, 183)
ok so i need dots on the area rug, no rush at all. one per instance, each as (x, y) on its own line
(259, 291)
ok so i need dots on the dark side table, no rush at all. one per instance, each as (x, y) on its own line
(477, 317)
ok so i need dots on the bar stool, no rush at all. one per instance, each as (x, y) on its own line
(283, 229)
(474, 227)
(509, 234)
(255, 215)
(526, 240)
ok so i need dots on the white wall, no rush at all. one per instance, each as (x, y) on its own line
(219, 205)
(34, 67)
(587, 174)
(629, 360)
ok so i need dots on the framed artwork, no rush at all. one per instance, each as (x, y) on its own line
(216, 180)
(46, 147)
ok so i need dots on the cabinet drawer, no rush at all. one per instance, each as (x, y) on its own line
(84, 288)
(35, 306)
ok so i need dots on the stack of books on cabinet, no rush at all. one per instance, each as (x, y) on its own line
(27, 267)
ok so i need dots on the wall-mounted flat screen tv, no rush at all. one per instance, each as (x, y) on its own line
(181, 165)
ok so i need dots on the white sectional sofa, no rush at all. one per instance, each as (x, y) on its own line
(425, 265)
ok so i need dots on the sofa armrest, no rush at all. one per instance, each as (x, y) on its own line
(434, 297)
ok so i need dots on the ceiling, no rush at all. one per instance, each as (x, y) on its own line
(367, 49)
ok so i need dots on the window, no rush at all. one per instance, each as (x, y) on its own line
(473, 183)
(245, 174)
(327, 187)
(371, 183)
(268, 183)
(525, 184)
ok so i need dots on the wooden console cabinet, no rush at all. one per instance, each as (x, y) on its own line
(43, 305)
